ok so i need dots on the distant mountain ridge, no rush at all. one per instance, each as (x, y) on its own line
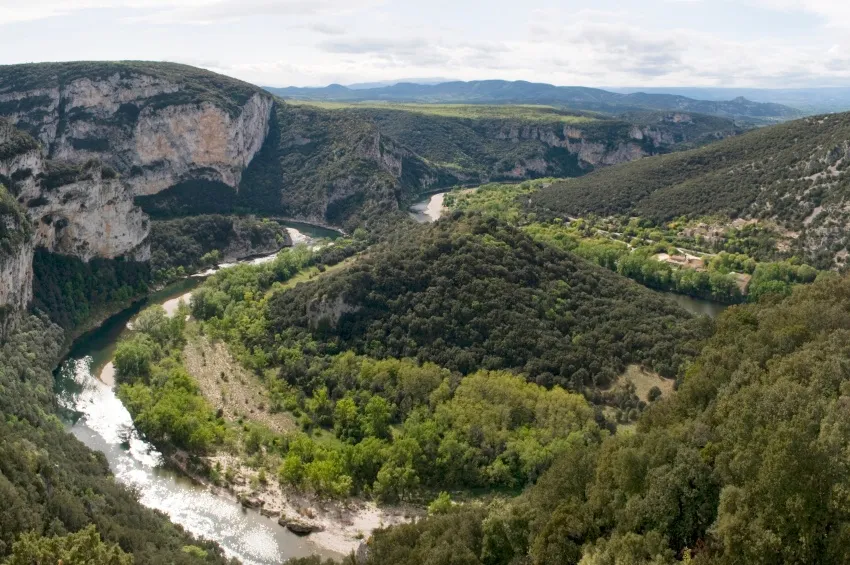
(818, 100)
(521, 92)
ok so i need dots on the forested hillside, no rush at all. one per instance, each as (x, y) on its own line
(472, 293)
(793, 173)
(745, 464)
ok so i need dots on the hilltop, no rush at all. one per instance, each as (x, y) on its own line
(794, 174)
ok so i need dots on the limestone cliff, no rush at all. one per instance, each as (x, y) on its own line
(80, 141)
(151, 126)
(16, 252)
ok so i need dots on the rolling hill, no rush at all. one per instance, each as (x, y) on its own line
(794, 174)
(521, 92)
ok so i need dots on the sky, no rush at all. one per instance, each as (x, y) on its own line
(651, 43)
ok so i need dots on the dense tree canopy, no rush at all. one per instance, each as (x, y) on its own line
(745, 464)
(472, 293)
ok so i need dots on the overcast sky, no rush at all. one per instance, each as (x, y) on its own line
(769, 43)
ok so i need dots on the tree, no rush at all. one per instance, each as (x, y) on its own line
(81, 548)
(134, 357)
(441, 504)
(378, 413)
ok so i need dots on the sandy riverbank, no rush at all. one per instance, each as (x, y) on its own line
(342, 525)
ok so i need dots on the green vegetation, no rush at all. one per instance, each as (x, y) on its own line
(72, 292)
(53, 485)
(794, 173)
(156, 389)
(385, 417)
(81, 548)
(704, 258)
(186, 244)
(390, 153)
(523, 112)
(474, 293)
(711, 472)
(14, 142)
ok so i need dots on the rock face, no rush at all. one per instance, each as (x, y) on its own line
(153, 130)
(15, 284)
(19, 162)
(126, 120)
(79, 141)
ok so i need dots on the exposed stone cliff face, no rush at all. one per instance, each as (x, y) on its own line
(93, 216)
(612, 146)
(15, 283)
(103, 140)
(126, 122)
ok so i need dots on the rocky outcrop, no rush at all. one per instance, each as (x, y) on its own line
(611, 143)
(328, 311)
(100, 135)
(15, 284)
(245, 242)
(127, 121)
(92, 216)
(149, 132)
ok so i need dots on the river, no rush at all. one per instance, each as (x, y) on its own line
(428, 209)
(698, 306)
(97, 418)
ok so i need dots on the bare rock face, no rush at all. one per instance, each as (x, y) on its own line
(126, 121)
(99, 141)
(15, 283)
(91, 217)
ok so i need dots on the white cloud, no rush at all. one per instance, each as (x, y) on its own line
(278, 42)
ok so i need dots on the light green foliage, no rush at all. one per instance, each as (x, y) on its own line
(524, 112)
(440, 505)
(793, 173)
(82, 548)
(629, 246)
(162, 397)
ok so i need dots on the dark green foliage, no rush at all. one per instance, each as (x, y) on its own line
(53, 485)
(71, 291)
(191, 242)
(744, 464)
(13, 141)
(474, 293)
(197, 196)
(454, 538)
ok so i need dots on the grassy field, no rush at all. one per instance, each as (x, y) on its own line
(525, 112)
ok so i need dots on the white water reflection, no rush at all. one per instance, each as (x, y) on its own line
(104, 424)
(98, 418)
(428, 209)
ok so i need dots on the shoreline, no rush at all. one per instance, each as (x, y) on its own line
(340, 527)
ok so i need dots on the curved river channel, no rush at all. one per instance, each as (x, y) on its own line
(97, 418)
